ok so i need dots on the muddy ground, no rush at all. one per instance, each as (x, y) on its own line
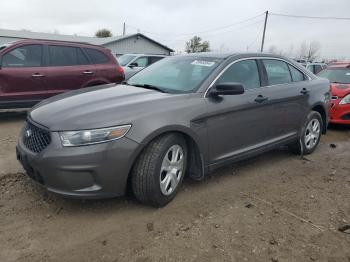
(276, 207)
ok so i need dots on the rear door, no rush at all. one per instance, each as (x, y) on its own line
(287, 94)
(69, 69)
(22, 74)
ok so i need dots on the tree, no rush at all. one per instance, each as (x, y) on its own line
(195, 45)
(103, 33)
(309, 51)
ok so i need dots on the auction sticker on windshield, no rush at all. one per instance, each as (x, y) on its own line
(203, 63)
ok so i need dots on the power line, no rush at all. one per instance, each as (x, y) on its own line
(199, 32)
(312, 17)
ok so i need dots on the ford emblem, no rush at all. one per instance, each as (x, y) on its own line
(28, 133)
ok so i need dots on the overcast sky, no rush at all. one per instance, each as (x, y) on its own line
(173, 22)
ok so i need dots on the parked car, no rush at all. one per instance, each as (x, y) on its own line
(32, 70)
(315, 68)
(186, 114)
(133, 63)
(339, 75)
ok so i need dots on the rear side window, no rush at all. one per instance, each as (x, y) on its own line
(24, 56)
(66, 56)
(153, 59)
(318, 68)
(245, 72)
(297, 76)
(277, 72)
(96, 57)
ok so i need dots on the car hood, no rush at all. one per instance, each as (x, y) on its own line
(98, 107)
(340, 90)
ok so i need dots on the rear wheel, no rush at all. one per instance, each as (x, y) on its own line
(159, 170)
(310, 135)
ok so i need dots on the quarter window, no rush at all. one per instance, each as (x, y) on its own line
(297, 76)
(277, 72)
(24, 56)
(66, 56)
(245, 72)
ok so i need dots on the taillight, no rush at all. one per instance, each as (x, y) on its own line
(120, 70)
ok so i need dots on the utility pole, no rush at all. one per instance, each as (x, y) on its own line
(124, 29)
(263, 37)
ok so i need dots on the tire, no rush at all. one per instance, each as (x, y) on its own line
(155, 179)
(308, 141)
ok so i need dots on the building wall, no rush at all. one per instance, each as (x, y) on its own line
(136, 45)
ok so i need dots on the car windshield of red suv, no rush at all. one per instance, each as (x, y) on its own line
(336, 75)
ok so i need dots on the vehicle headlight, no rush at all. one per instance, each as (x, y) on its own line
(94, 136)
(345, 100)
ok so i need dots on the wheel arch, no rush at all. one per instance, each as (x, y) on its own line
(196, 151)
(323, 112)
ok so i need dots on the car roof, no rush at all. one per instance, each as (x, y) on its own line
(235, 54)
(145, 54)
(39, 41)
(340, 64)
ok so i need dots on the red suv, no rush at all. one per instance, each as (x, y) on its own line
(32, 70)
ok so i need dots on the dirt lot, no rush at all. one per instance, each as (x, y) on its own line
(251, 211)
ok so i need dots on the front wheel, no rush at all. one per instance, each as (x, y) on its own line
(310, 135)
(159, 170)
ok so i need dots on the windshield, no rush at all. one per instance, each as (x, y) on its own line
(178, 74)
(125, 59)
(336, 75)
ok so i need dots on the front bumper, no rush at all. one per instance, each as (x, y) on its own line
(95, 171)
(340, 114)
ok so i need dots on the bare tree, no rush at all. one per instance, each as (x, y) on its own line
(310, 51)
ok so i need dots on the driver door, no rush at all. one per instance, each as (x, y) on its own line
(238, 124)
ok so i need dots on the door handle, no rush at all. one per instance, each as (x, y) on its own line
(37, 75)
(88, 73)
(304, 91)
(261, 99)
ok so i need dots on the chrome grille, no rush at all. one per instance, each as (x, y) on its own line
(36, 139)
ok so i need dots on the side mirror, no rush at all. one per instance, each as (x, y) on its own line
(227, 89)
(134, 64)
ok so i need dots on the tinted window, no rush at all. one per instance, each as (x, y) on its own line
(24, 56)
(153, 59)
(96, 57)
(296, 74)
(277, 72)
(318, 68)
(141, 62)
(244, 72)
(66, 56)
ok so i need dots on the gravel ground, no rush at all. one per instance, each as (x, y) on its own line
(276, 207)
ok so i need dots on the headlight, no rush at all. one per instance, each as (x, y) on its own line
(345, 100)
(95, 136)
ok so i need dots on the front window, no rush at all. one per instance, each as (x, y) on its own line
(336, 75)
(179, 74)
(125, 59)
(24, 56)
(245, 72)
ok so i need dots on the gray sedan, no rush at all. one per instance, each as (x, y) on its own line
(185, 115)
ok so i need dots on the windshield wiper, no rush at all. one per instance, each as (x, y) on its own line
(147, 86)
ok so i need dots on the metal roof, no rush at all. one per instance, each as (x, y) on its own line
(25, 34)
